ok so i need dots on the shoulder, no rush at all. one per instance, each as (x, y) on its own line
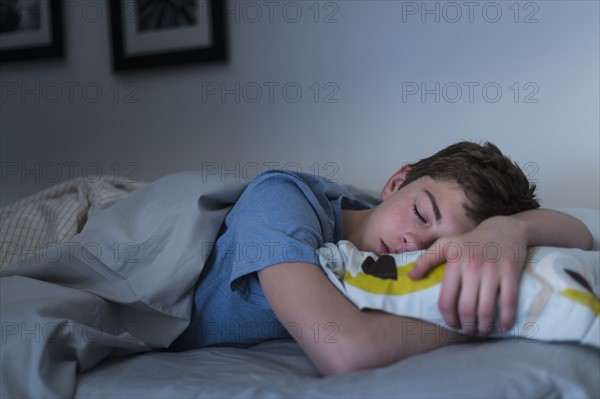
(275, 181)
(277, 178)
(281, 202)
(290, 189)
(276, 196)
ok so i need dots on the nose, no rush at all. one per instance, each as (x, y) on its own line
(410, 242)
(417, 240)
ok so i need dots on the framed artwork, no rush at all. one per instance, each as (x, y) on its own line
(149, 33)
(30, 29)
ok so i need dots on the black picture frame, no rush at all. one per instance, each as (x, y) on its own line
(133, 40)
(31, 29)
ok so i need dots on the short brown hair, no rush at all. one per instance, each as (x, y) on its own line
(492, 182)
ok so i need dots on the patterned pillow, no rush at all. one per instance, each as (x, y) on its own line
(558, 293)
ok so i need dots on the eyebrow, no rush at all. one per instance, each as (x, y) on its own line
(436, 210)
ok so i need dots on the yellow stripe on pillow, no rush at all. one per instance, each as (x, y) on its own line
(401, 286)
(584, 298)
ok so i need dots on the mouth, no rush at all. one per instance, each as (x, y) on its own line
(384, 249)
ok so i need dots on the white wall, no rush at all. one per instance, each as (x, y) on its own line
(371, 54)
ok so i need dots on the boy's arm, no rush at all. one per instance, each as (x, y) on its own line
(485, 265)
(555, 229)
(336, 335)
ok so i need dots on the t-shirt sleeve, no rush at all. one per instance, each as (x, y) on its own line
(277, 219)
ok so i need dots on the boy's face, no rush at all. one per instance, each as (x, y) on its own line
(416, 215)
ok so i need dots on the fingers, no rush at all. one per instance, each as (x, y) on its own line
(461, 298)
(472, 297)
(508, 299)
(488, 296)
(427, 260)
(449, 294)
(475, 290)
(468, 301)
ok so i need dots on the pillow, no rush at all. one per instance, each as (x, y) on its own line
(558, 293)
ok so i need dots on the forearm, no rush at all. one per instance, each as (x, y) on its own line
(385, 339)
(369, 339)
(348, 339)
(552, 228)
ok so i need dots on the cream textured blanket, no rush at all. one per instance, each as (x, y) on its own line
(55, 215)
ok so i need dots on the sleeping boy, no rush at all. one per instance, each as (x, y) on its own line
(263, 280)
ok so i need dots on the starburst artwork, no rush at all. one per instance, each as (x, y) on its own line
(166, 14)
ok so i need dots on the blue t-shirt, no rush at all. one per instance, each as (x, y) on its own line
(280, 217)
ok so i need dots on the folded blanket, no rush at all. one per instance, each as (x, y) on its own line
(55, 215)
(558, 293)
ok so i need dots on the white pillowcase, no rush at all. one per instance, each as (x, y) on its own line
(558, 294)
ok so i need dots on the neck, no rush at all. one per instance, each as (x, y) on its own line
(354, 224)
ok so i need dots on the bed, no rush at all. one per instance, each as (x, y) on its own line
(89, 308)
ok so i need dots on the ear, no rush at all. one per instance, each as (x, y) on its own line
(395, 181)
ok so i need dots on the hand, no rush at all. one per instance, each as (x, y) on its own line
(483, 268)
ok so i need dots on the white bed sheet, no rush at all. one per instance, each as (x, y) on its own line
(508, 368)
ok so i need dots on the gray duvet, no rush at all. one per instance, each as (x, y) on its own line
(89, 317)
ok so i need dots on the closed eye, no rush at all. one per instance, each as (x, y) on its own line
(418, 215)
